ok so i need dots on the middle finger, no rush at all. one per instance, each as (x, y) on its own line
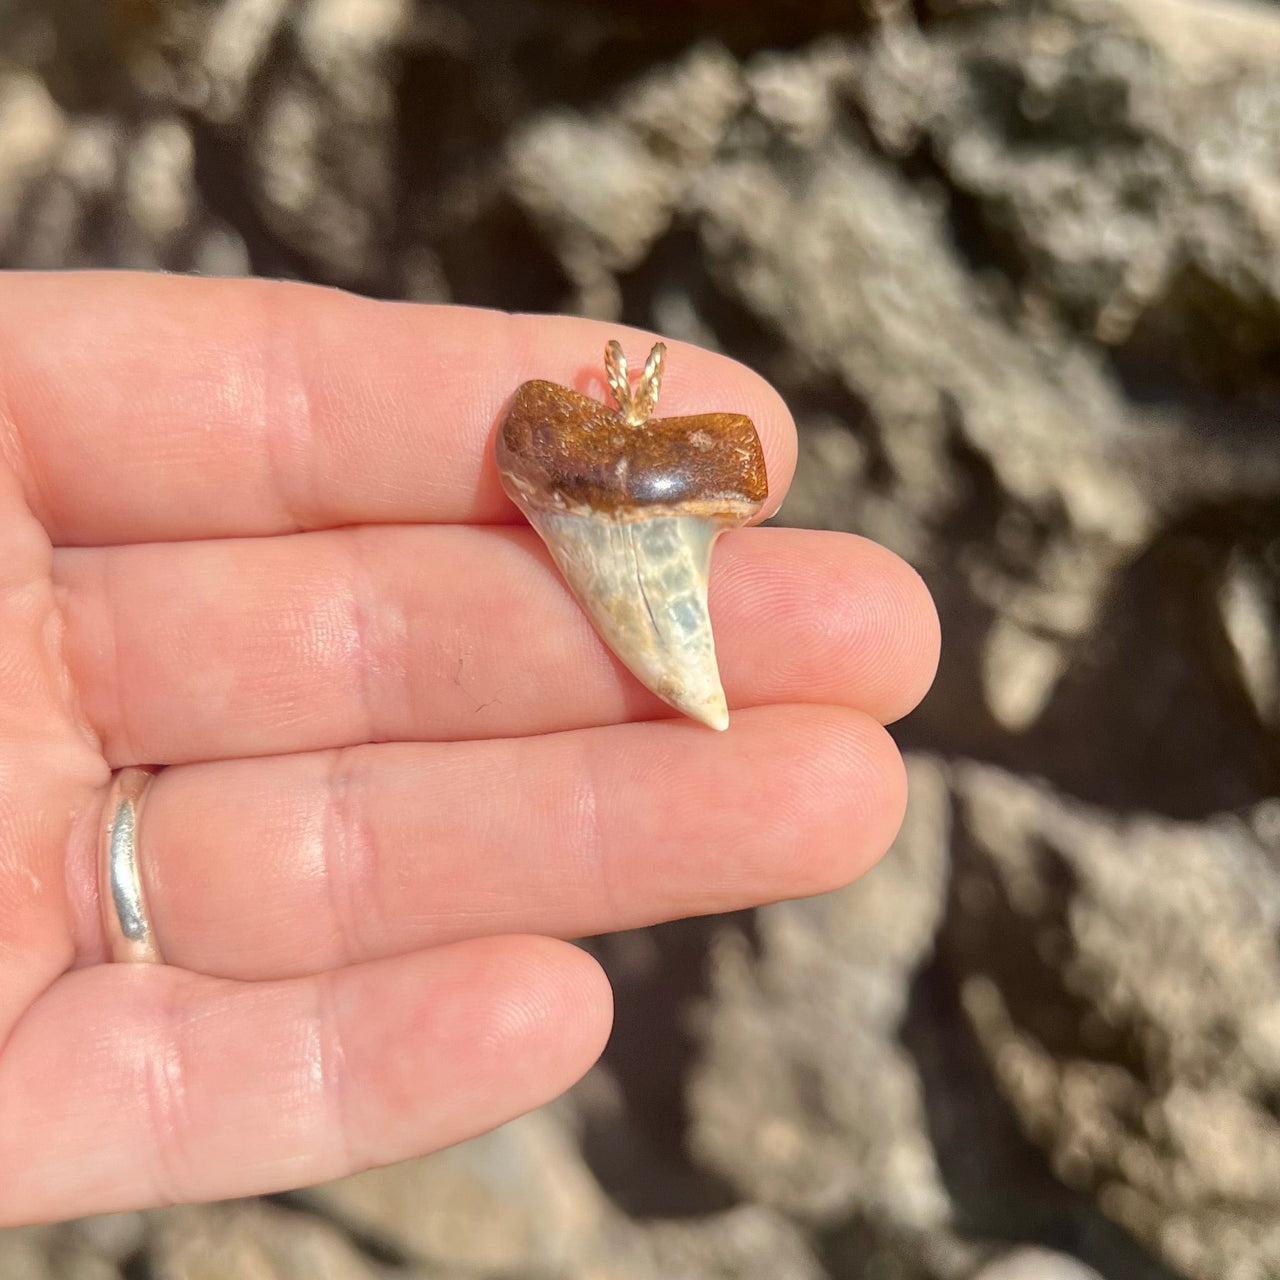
(258, 646)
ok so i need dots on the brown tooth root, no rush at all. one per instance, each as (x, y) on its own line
(630, 508)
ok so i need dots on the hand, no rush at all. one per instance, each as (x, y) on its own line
(253, 532)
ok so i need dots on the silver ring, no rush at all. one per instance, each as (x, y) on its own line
(125, 921)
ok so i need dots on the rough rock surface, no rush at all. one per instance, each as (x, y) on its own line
(1036, 1264)
(1138, 1039)
(800, 1036)
(1015, 264)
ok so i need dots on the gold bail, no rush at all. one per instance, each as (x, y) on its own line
(637, 406)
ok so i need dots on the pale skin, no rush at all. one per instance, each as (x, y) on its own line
(253, 532)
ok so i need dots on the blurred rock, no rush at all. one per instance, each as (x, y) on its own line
(804, 1099)
(1019, 672)
(114, 1237)
(323, 154)
(1140, 1040)
(258, 1242)
(1145, 178)
(607, 188)
(31, 126)
(158, 191)
(517, 1200)
(50, 1253)
(23, 1255)
(521, 1201)
(750, 1243)
(1249, 597)
(234, 47)
(1036, 1264)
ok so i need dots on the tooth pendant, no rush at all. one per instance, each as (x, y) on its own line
(630, 507)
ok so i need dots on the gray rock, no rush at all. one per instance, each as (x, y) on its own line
(234, 46)
(31, 129)
(158, 193)
(55, 1253)
(24, 1255)
(323, 147)
(1141, 1043)
(1249, 597)
(606, 188)
(1036, 1264)
(250, 1241)
(748, 1243)
(803, 1097)
(521, 1202)
(518, 1200)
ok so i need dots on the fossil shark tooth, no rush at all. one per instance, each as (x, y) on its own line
(630, 506)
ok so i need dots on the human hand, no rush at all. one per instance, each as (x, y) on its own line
(253, 532)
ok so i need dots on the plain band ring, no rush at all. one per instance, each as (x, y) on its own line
(125, 920)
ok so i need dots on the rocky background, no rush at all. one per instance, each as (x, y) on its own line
(1016, 267)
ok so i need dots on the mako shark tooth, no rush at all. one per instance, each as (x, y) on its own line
(630, 507)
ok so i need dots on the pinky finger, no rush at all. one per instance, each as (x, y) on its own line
(129, 1086)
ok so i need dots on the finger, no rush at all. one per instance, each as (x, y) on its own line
(128, 1086)
(293, 864)
(208, 650)
(148, 408)
(48, 765)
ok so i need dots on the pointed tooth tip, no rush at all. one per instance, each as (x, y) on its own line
(714, 717)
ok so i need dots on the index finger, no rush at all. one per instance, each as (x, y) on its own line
(140, 408)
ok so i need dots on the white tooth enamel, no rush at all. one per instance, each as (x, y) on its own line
(643, 583)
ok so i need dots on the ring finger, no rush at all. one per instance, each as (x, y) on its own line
(288, 865)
